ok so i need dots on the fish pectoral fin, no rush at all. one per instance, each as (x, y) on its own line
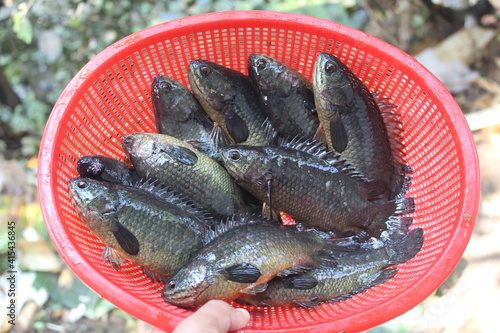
(308, 303)
(114, 258)
(255, 289)
(294, 270)
(300, 282)
(236, 127)
(269, 182)
(244, 273)
(128, 242)
(338, 133)
(184, 155)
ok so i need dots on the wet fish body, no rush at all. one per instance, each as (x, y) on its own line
(286, 96)
(354, 272)
(242, 260)
(148, 226)
(179, 114)
(353, 125)
(106, 169)
(229, 99)
(303, 179)
(186, 171)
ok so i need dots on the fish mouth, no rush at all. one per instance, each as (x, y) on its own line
(181, 299)
(78, 199)
(128, 142)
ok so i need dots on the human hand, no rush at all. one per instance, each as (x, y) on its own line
(214, 317)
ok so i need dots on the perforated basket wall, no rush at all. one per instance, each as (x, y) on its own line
(110, 97)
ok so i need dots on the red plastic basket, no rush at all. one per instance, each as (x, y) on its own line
(110, 97)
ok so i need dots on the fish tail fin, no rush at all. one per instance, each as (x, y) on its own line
(390, 213)
(384, 276)
(405, 205)
(407, 247)
(402, 180)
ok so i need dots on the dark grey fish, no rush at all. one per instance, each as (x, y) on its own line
(146, 225)
(179, 114)
(242, 257)
(106, 169)
(186, 171)
(286, 96)
(354, 272)
(304, 180)
(229, 99)
(352, 124)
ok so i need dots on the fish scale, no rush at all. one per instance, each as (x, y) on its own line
(186, 171)
(242, 259)
(353, 125)
(355, 272)
(309, 188)
(148, 226)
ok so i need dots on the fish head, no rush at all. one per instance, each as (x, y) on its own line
(137, 146)
(188, 287)
(93, 200)
(265, 71)
(147, 149)
(215, 86)
(168, 96)
(246, 164)
(271, 76)
(90, 166)
(329, 72)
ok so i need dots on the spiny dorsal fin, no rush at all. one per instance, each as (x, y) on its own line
(232, 223)
(162, 192)
(271, 134)
(319, 150)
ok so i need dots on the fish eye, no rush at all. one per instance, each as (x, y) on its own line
(81, 184)
(166, 86)
(234, 156)
(330, 67)
(261, 64)
(205, 70)
(171, 285)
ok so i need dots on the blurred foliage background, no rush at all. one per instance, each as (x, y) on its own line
(43, 44)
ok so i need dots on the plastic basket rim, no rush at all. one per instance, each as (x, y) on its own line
(74, 258)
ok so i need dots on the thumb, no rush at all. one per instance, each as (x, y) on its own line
(214, 317)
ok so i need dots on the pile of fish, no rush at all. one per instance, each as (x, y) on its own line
(201, 204)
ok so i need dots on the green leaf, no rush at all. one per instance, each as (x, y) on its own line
(22, 27)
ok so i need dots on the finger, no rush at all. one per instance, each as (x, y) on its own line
(214, 317)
